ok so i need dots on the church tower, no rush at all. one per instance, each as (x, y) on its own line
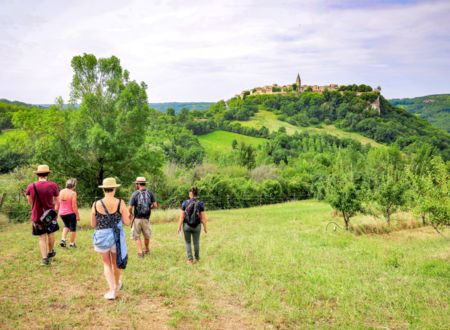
(298, 81)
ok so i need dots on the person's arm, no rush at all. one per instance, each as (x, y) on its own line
(203, 218)
(93, 219)
(180, 222)
(131, 204)
(154, 202)
(125, 213)
(74, 206)
(29, 198)
(56, 197)
(130, 210)
(56, 203)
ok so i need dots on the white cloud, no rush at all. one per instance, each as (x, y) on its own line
(208, 50)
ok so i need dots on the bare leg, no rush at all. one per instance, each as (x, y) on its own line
(139, 245)
(117, 273)
(43, 245)
(107, 270)
(72, 237)
(51, 241)
(147, 244)
(64, 233)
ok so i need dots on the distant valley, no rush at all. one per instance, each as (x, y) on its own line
(433, 108)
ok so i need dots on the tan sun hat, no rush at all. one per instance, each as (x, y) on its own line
(42, 169)
(109, 183)
(140, 179)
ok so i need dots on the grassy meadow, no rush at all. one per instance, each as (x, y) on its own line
(266, 267)
(220, 141)
(270, 120)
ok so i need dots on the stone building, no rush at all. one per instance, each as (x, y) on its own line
(297, 87)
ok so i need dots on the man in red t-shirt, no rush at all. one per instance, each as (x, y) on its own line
(45, 199)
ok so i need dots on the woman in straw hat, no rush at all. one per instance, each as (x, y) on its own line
(104, 242)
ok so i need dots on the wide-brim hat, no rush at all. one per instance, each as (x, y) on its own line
(140, 179)
(109, 183)
(42, 169)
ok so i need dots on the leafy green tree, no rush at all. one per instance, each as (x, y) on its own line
(387, 176)
(390, 196)
(437, 201)
(344, 197)
(105, 135)
(171, 112)
(234, 144)
(112, 116)
(344, 188)
(246, 156)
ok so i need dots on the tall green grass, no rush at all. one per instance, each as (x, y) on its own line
(270, 120)
(266, 267)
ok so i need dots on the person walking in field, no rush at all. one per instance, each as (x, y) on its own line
(191, 218)
(43, 197)
(140, 205)
(107, 215)
(68, 211)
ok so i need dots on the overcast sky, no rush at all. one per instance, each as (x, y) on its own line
(210, 50)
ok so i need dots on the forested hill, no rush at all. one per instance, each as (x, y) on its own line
(18, 103)
(365, 112)
(177, 106)
(433, 108)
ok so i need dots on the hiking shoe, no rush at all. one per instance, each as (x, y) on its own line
(51, 254)
(110, 295)
(141, 255)
(45, 262)
(146, 251)
(62, 243)
(72, 245)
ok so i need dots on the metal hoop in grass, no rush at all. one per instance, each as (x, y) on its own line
(335, 226)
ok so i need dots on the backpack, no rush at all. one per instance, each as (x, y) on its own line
(192, 214)
(144, 202)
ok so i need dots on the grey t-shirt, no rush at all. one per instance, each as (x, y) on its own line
(134, 202)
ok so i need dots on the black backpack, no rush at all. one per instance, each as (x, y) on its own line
(192, 214)
(144, 202)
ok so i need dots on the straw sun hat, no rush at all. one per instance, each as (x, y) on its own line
(140, 179)
(109, 183)
(42, 169)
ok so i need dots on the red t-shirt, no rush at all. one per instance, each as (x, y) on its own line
(47, 190)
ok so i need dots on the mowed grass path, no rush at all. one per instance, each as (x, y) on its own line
(270, 120)
(220, 141)
(267, 267)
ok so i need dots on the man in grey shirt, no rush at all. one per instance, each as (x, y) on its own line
(141, 203)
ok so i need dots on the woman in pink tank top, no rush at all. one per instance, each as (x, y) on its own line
(68, 211)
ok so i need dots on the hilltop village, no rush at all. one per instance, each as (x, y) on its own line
(297, 87)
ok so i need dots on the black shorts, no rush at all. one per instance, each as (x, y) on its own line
(39, 230)
(70, 221)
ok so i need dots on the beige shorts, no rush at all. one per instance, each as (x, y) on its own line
(141, 226)
(111, 249)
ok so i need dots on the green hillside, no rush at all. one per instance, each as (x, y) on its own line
(220, 141)
(269, 119)
(261, 268)
(433, 108)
